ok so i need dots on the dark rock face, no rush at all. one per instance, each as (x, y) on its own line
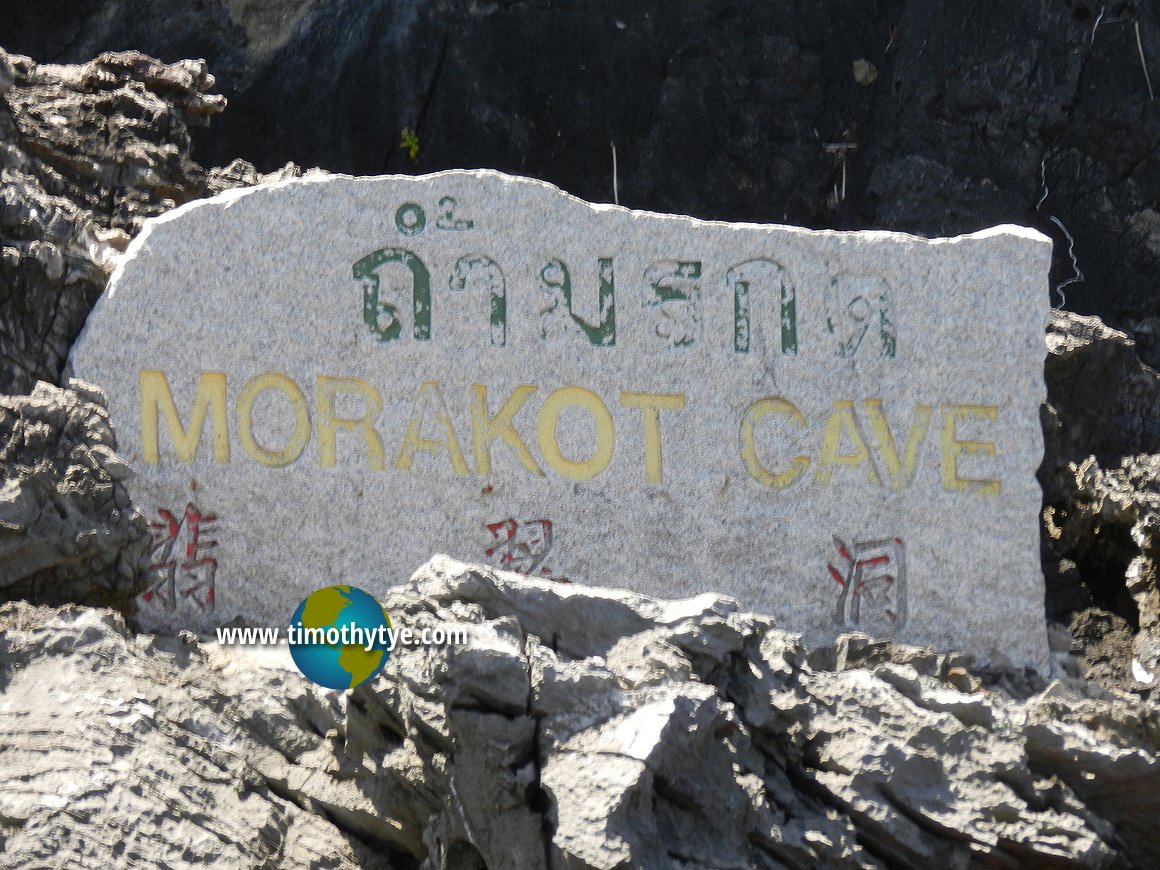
(577, 728)
(964, 115)
(68, 531)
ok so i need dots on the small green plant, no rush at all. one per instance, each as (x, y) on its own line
(410, 144)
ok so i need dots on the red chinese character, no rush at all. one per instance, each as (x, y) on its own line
(180, 569)
(521, 547)
(874, 574)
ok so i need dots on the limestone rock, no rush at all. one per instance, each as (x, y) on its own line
(1113, 522)
(1102, 646)
(702, 737)
(1103, 401)
(162, 753)
(68, 530)
(87, 152)
(1101, 504)
(110, 135)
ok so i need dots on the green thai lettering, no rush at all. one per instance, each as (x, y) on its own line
(854, 304)
(558, 282)
(742, 279)
(480, 269)
(448, 220)
(886, 330)
(383, 317)
(410, 219)
(675, 285)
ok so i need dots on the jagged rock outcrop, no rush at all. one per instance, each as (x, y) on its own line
(1102, 400)
(577, 728)
(1110, 525)
(1101, 481)
(111, 135)
(930, 116)
(68, 530)
(87, 153)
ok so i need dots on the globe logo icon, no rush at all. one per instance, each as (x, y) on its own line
(338, 637)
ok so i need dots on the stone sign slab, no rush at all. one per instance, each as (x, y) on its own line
(328, 380)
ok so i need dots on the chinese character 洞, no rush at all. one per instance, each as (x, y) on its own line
(180, 569)
(872, 575)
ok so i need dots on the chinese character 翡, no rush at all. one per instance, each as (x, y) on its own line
(180, 570)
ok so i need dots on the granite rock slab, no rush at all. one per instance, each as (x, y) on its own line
(329, 379)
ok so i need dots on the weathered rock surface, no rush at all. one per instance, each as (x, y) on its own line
(961, 115)
(68, 530)
(578, 728)
(1109, 529)
(87, 153)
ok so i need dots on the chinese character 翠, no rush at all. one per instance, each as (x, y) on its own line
(521, 547)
